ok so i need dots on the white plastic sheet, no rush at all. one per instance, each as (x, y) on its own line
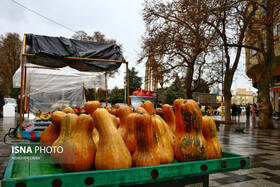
(53, 89)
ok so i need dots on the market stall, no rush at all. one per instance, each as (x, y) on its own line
(69, 64)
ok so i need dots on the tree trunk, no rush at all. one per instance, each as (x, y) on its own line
(188, 82)
(264, 105)
(227, 101)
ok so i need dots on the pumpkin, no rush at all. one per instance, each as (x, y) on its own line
(79, 150)
(164, 149)
(69, 110)
(68, 125)
(95, 135)
(49, 135)
(123, 112)
(57, 117)
(179, 132)
(149, 107)
(91, 106)
(209, 131)
(169, 134)
(140, 109)
(145, 153)
(169, 116)
(112, 152)
(192, 145)
(130, 137)
(160, 113)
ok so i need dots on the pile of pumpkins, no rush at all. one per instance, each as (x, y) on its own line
(100, 140)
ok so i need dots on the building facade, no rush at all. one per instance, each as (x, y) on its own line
(254, 59)
(241, 97)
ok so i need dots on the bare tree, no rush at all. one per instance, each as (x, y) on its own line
(177, 36)
(230, 19)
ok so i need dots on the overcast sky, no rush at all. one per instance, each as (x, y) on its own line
(120, 20)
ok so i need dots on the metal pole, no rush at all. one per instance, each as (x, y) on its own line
(127, 84)
(106, 87)
(25, 92)
(21, 82)
(83, 94)
(222, 107)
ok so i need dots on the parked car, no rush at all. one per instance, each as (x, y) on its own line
(11, 101)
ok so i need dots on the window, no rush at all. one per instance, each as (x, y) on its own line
(276, 30)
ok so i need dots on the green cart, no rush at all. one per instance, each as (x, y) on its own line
(37, 169)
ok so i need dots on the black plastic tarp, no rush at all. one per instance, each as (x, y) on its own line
(53, 50)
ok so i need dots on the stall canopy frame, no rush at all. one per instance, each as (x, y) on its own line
(24, 54)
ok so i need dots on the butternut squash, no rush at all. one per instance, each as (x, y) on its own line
(79, 150)
(140, 109)
(69, 110)
(49, 135)
(164, 149)
(68, 125)
(179, 132)
(52, 132)
(112, 152)
(130, 137)
(145, 153)
(169, 134)
(149, 107)
(123, 113)
(170, 117)
(91, 106)
(192, 146)
(95, 135)
(209, 131)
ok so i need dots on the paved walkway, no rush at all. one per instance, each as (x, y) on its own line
(263, 147)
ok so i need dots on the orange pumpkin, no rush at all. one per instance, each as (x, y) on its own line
(112, 152)
(68, 125)
(79, 150)
(91, 106)
(123, 113)
(169, 116)
(179, 132)
(209, 131)
(192, 146)
(145, 153)
(69, 110)
(164, 149)
(149, 107)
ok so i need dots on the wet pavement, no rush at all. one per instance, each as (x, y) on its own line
(263, 147)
